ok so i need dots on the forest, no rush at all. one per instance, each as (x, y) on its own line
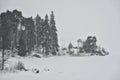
(22, 36)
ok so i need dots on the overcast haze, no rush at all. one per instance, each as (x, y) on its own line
(76, 18)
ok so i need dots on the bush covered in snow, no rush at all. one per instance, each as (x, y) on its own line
(19, 66)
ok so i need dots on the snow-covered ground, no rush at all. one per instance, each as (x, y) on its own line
(68, 68)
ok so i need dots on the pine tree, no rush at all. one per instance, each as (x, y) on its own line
(53, 35)
(7, 21)
(10, 25)
(18, 15)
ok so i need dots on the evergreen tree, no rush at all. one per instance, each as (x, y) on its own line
(14, 31)
(70, 46)
(37, 26)
(46, 35)
(10, 23)
(39, 32)
(90, 45)
(29, 35)
(7, 23)
(53, 35)
(21, 47)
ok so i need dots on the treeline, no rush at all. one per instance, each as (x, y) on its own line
(87, 47)
(21, 34)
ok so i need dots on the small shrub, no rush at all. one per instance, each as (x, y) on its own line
(14, 68)
(19, 66)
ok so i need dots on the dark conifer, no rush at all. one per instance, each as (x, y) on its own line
(53, 34)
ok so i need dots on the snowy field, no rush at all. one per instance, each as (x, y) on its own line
(68, 68)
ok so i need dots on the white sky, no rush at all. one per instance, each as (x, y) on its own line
(76, 18)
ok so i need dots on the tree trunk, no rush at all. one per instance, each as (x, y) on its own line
(3, 46)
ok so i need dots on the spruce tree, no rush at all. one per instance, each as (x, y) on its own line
(70, 46)
(46, 33)
(39, 32)
(53, 34)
